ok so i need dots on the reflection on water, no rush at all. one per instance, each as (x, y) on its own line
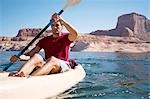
(108, 75)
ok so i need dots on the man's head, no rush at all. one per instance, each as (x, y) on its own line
(56, 28)
(57, 25)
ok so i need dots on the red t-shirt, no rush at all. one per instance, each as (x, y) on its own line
(58, 47)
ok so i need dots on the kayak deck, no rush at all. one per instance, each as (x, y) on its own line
(37, 87)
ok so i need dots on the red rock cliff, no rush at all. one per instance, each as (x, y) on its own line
(133, 25)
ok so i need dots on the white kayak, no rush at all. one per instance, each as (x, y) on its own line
(39, 87)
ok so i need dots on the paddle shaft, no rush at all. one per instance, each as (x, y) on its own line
(37, 36)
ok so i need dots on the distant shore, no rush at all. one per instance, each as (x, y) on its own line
(91, 43)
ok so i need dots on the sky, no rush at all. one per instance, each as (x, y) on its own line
(87, 16)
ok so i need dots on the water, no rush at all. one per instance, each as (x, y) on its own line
(108, 75)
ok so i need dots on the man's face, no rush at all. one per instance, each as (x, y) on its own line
(56, 27)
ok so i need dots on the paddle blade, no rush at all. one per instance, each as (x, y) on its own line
(71, 3)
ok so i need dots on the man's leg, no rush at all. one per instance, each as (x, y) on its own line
(52, 64)
(28, 67)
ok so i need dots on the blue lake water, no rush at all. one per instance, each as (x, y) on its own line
(108, 75)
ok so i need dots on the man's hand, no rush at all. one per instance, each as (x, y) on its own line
(57, 18)
(14, 58)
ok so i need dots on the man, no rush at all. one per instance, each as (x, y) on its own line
(56, 48)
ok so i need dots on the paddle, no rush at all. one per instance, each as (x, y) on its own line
(69, 3)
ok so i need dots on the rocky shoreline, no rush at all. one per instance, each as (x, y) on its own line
(91, 43)
(111, 44)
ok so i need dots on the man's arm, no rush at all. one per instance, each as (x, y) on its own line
(33, 51)
(27, 56)
(73, 32)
